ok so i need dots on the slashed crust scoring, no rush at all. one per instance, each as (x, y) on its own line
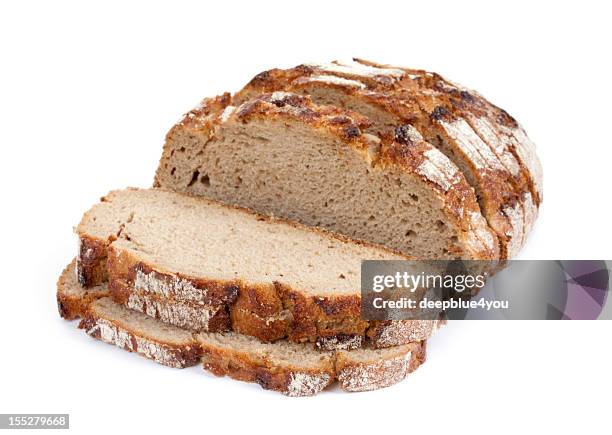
(485, 137)
(407, 150)
(353, 371)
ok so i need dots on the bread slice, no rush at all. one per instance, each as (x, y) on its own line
(136, 332)
(293, 369)
(297, 370)
(489, 146)
(72, 299)
(282, 155)
(182, 314)
(180, 258)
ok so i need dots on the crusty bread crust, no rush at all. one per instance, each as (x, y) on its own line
(91, 261)
(243, 366)
(387, 333)
(488, 140)
(185, 315)
(166, 353)
(352, 371)
(71, 302)
(268, 312)
(354, 376)
(409, 152)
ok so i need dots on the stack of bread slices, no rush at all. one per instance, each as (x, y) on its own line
(245, 256)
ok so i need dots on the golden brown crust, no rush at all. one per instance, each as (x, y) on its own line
(133, 332)
(250, 306)
(207, 121)
(271, 328)
(387, 333)
(345, 124)
(315, 318)
(187, 315)
(426, 100)
(352, 373)
(72, 305)
(166, 353)
(244, 367)
(129, 269)
(205, 111)
(91, 261)
(459, 200)
(395, 152)
(267, 312)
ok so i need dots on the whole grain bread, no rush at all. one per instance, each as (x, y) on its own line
(293, 369)
(204, 266)
(486, 143)
(282, 155)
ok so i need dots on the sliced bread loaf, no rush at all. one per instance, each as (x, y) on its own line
(488, 145)
(293, 369)
(297, 370)
(180, 258)
(282, 155)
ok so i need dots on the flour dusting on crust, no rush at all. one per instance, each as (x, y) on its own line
(158, 352)
(488, 133)
(335, 80)
(530, 213)
(401, 332)
(437, 168)
(526, 151)
(195, 318)
(339, 342)
(471, 144)
(306, 384)
(480, 234)
(374, 374)
(353, 68)
(227, 112)
(169, 286)
(515, 235)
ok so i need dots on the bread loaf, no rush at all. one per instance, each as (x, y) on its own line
(282, 155)
(488, 145)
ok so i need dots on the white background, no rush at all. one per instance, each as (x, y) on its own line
(87, 93)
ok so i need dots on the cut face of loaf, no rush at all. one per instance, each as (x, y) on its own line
(293, 369)
(203, 266)
(490, 147)
(282, 155)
